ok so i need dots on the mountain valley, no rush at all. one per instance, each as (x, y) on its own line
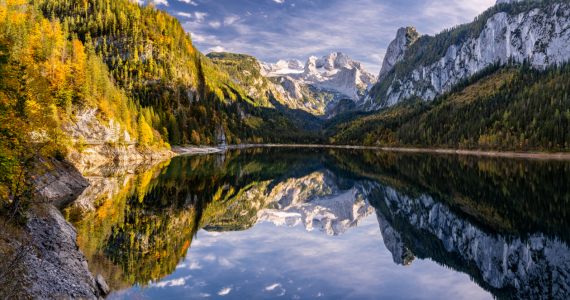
(95, 97)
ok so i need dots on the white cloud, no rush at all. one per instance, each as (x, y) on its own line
(225, 291)
(272, 287)
(161, 2)
(215, 24)
(200, 16)
(194, 266)
(213, 233)
(189, 2)
(183, 14)
(279, 1)
(230, 20)
(218, 49)
(210, 257)
(226, 263)
(204, 295)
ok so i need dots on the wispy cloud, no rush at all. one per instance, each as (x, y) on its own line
(215, 24)
(230, 20)
(200, 15)
(189, 2)
(277, 285)
(222, 261)
(183, 14)
(361, 28)
(225, 291)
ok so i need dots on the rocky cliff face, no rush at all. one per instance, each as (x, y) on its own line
(57, 268)
(535, 268)
(106, 142)
(337, 71)
(85, 124)
(291, 87)
(539, 35)
(395, 52)
(62, 184)
(317, 203)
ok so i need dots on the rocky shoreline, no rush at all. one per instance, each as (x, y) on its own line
(57, 268)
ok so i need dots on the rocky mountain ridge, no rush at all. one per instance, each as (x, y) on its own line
(335, 74)
(395, 52)
(540, 36)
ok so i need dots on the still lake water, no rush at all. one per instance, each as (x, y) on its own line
(295, 223)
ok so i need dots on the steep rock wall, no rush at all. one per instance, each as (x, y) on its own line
(540, 35)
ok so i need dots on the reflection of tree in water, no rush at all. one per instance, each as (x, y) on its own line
(512, 197)
(139, 233)
(500, 221)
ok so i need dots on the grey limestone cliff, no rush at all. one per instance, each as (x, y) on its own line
(397, 48)
(58, 268)
(540, 35)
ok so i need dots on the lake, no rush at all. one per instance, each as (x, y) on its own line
(299, 223)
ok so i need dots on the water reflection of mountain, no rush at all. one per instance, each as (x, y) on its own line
(501, 221)
(536, 268)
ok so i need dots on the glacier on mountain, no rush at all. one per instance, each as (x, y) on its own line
(335, 72)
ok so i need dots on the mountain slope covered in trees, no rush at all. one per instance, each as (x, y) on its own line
(512, 108)
(182, 95)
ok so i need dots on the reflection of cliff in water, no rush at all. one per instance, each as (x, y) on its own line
(426, 210)
(503, 222)
(536, 268)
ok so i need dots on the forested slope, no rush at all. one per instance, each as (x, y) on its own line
(513, 107)
(184, 96)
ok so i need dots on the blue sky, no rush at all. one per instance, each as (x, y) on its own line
(284, 29)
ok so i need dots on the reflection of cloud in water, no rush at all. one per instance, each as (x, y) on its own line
(355, 264)
(213, 233)
(174, 282)
(277, 285)
(226, 263)
(210, 257)
(194, 265)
